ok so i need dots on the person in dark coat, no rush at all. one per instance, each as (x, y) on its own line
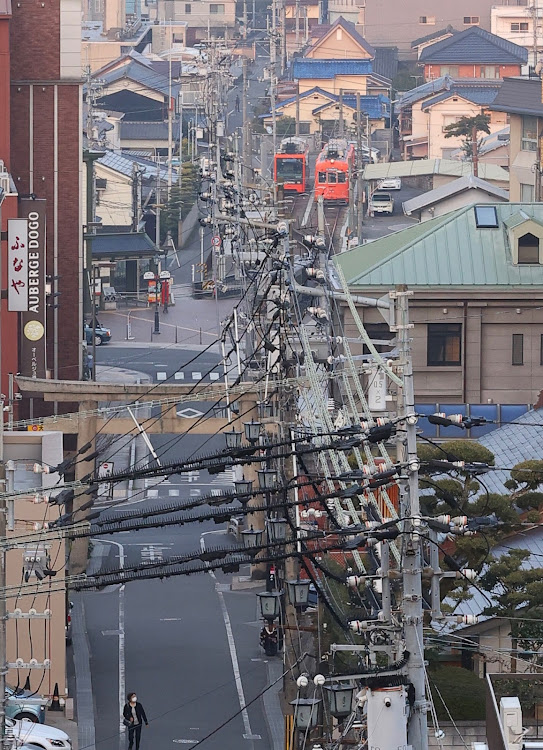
(269, 639)
(134, 716)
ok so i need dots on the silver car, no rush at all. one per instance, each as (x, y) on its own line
(23, 704)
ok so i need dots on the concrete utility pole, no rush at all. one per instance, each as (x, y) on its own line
(533, 10)
(246, 130)
(411, 562)
(3, 582)
(360, 169)
(475, 151)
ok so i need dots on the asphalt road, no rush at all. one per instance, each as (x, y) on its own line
(378, 226)
(190, 644)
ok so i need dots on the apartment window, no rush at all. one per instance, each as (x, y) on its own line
(519, 26)
(444, 344)
(490, 71)
(471, 20)
(526, 193)
(529, 133)
(449, 70)
(427, 20)
(188, 9)
(216, 9)
(305, 128)
(517, 349)
(528, 249)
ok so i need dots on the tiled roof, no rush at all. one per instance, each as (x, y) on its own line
(421, 167)
(308, 68)
(519, 96)
(375, 107)
(386, 61)
(474, 45)
(147, 131)
(124, 163)
(434, 35)
(476, 94)
(449, 189)
(123, 245)
(142, 74)
(448, 251)
(426, 89)
(350, 28)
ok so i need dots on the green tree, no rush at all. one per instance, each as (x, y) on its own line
(182, 197)
(468, 128)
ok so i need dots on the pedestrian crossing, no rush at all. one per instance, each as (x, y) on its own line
(189, 376)
(196, 482)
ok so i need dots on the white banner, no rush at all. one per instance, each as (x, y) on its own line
(18, 265)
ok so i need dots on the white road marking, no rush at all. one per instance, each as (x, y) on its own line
(214, 375)
(248, 735)
(186, 742)
(179, 376)
(162, 376)
(170, 619)
(173, 493)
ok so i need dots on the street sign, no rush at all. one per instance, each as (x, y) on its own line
(164, 275)
(34, 427)
(105, 469)
(149, 276)
(216, 241)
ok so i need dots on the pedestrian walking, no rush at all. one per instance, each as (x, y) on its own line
(237, 103)
(269, 638)
(133, 718)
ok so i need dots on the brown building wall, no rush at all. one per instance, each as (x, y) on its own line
(46, 159)
(486, 372)
(472, 70)
(397, 23)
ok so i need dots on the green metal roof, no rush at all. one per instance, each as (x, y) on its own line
(421, 167)
(448, 251)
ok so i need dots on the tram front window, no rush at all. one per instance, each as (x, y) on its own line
(289, 170)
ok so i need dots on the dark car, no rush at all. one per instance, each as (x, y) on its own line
(103, 335)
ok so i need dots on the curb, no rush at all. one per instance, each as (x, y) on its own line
(86, 736)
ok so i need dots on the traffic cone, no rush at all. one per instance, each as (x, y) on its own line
(55, 702)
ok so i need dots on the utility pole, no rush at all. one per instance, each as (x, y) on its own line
(360, 169)
(246, 143)
(411, 562)
(475, 151)
(341, 129)
(533, 10)
(297, 6)
(136, 196)
(3, 582)
(170, 126)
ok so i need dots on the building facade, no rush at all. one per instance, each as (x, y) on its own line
(45, 145)
(476, 275)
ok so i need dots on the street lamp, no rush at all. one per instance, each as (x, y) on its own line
(341, 700)
(277, 529)
(233, 439)
(265, 409)
(270, 605)
(243, 487)
(252, 537)
(298, 592)
(267, 479)
(252, 431)
(306, 711)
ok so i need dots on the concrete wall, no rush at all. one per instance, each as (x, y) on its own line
(488, 321)
(98, 54)
(430, 123)
(501, 18)
(458, 735)
(333, 85)
(115, 202)
(397, 22)
(467, 198)
(48, 640)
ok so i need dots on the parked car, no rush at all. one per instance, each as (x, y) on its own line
(103, 335)
(30, 736)
(381, 203)
(23, 704)
(390, 183)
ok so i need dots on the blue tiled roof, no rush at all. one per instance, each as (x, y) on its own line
(474, 45)
(330, 68)
(421, 92)
(476, 94)
(373, 106)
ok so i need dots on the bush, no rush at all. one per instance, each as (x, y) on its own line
(462, 692)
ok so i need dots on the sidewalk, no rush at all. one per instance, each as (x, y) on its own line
(190, 322)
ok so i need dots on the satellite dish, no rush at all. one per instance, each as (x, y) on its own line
(269, 130)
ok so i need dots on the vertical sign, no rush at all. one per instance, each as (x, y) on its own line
(377, 389)
(17, 265)
(33, 348)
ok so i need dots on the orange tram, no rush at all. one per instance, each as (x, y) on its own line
(333, 169)
(290, 166)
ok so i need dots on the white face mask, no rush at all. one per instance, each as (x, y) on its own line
(133, 699)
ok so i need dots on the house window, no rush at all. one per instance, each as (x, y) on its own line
(471, 20)
(517, 349)
(486, 217)
(188, 9)
(449, 120)
(529, 133)
(519, 26)
(427, 20)
(444, 344)
(490, 71)
(528, 249)
(526, 193)
(216, 9)
(304, 128)
(449, 70)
